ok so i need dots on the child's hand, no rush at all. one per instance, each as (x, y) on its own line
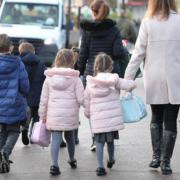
(44, 120)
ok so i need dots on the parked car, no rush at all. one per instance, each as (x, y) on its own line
(40, 22)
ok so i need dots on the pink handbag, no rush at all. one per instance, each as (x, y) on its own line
(40, 135)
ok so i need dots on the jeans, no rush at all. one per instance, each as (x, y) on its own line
(8, 137)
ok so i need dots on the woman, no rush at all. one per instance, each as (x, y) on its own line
(99, 35)
(159, 43)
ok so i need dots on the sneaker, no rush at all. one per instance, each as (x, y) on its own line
(54, 171)
(73, 164)
(110, 164)
(63, 144)
(4, 163)
(100, 171)
(25, 139)
(93, 147)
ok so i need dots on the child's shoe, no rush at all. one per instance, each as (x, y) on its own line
(73, 164)
(54, 171)
(93, 145)
(110, 164)
(100, 171)
(63, 144)
(4, 163)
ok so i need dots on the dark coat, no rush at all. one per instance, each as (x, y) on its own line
(99, 36)
(35, 69)
(14, 86)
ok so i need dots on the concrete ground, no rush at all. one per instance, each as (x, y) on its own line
(132, 150)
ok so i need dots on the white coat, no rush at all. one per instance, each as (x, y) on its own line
(158, 45)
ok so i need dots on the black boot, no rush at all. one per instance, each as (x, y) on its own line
(156, 138)
(169, 138)
(25, 139)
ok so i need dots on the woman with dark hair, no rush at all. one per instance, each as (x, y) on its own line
(99, 35)
(158, 44)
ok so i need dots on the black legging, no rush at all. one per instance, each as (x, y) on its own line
(166, 113)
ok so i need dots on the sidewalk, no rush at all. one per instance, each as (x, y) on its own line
(133, 154)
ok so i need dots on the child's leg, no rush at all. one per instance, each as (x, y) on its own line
(25, 127)
(10, 142)
(69, 137)
(100, 153)
(110, 149)
(55, 144)
(13, 132)
(3, 135)
(76, 136)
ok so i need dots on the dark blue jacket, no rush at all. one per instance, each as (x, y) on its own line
(35, 69)
(14, 86)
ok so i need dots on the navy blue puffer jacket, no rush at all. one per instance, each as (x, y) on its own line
(14, 86)
(35, 69)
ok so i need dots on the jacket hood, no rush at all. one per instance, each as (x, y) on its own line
(95, 26)
(102, 84)
(29, 58)
(8, 64)
(61, 78)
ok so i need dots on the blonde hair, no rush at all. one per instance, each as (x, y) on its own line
(161, 8)
(100, 9)
(25, 47)
(5, 43)
(103, 63)
(64, 58)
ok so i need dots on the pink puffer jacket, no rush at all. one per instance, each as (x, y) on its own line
(102, 101)
(61, 97)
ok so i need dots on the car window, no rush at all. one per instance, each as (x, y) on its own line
(30, 14)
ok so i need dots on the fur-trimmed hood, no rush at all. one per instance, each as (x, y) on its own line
(102, 84)
(61, 78)
(97, 28)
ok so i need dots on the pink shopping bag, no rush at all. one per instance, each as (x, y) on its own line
(40, 135)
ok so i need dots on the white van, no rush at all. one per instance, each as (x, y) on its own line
(40, 22)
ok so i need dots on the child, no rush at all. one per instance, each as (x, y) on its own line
(35, 69)
(61, 97)
(102, 107)
(75, 51)
(14, 87)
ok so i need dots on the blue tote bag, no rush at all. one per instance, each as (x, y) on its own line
(133, 108)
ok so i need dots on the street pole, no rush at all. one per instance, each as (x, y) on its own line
(123, 4)
(68, 23)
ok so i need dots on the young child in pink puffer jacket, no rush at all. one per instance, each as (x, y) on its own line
(102, 107)
(61, 97)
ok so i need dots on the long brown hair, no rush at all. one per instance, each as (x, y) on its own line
(161, 8)
(103, 63)
(100, 9)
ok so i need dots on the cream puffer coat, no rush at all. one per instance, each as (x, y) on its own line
(102, 101)
(61, 97)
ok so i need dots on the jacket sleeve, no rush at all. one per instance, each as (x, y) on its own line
(87, 100)
(44, 101)
(83, 54)
(23, 80)
(118, 49)
(79, 92)
(138, 54)
(127, 85)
